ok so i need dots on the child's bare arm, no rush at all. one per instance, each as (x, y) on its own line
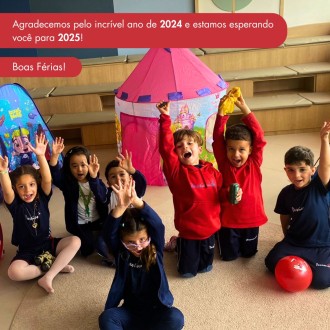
(7, 189)
(40, 150)
(57, 148)
(324, 167)
(163, 107)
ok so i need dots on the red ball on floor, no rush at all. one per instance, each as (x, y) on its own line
(293, 274)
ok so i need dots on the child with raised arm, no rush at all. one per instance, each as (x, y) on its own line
(239, 153)
(195, 186)
(136, 234)
(304, 209)
(27, 192)
(122, 169)
(85, 195)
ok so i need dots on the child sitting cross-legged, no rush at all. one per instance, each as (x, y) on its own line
(136, 235)
(27, 192)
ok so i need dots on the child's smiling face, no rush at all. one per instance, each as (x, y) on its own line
(117, 174)
(136, 242)
(26, 188)
(299, 174)
(238, 151)
(188, 151)
(79, 167)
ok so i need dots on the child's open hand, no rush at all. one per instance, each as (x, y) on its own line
(125, 193)
(325, 130)
(93, 166)
(41, 145)
(58, 146)
(163, 107)
(125, 162)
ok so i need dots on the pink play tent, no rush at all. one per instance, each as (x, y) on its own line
(171, 74)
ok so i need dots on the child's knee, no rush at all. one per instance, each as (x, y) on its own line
(76, 242)
(320, 281)
(16, 272)
(12, 274)
(270, 262)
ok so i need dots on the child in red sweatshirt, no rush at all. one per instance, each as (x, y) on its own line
(195, 185)
(238, 152)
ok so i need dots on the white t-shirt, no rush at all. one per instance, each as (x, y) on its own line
(83, 215)
(113, 201)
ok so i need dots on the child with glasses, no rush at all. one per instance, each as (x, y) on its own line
(304, 209)
(121, 170)
(136, 234)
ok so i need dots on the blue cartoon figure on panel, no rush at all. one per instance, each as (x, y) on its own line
(21, 146)
(20, 122)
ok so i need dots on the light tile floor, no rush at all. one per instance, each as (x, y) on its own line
(274, 178)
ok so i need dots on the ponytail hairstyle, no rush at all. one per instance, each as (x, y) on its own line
(132, 222)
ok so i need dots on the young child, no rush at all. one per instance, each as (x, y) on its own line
(304, 209)
(137, 240)
(195, 185)
(238, 152)
(85, 195)
(27, 192)
(122, 169)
